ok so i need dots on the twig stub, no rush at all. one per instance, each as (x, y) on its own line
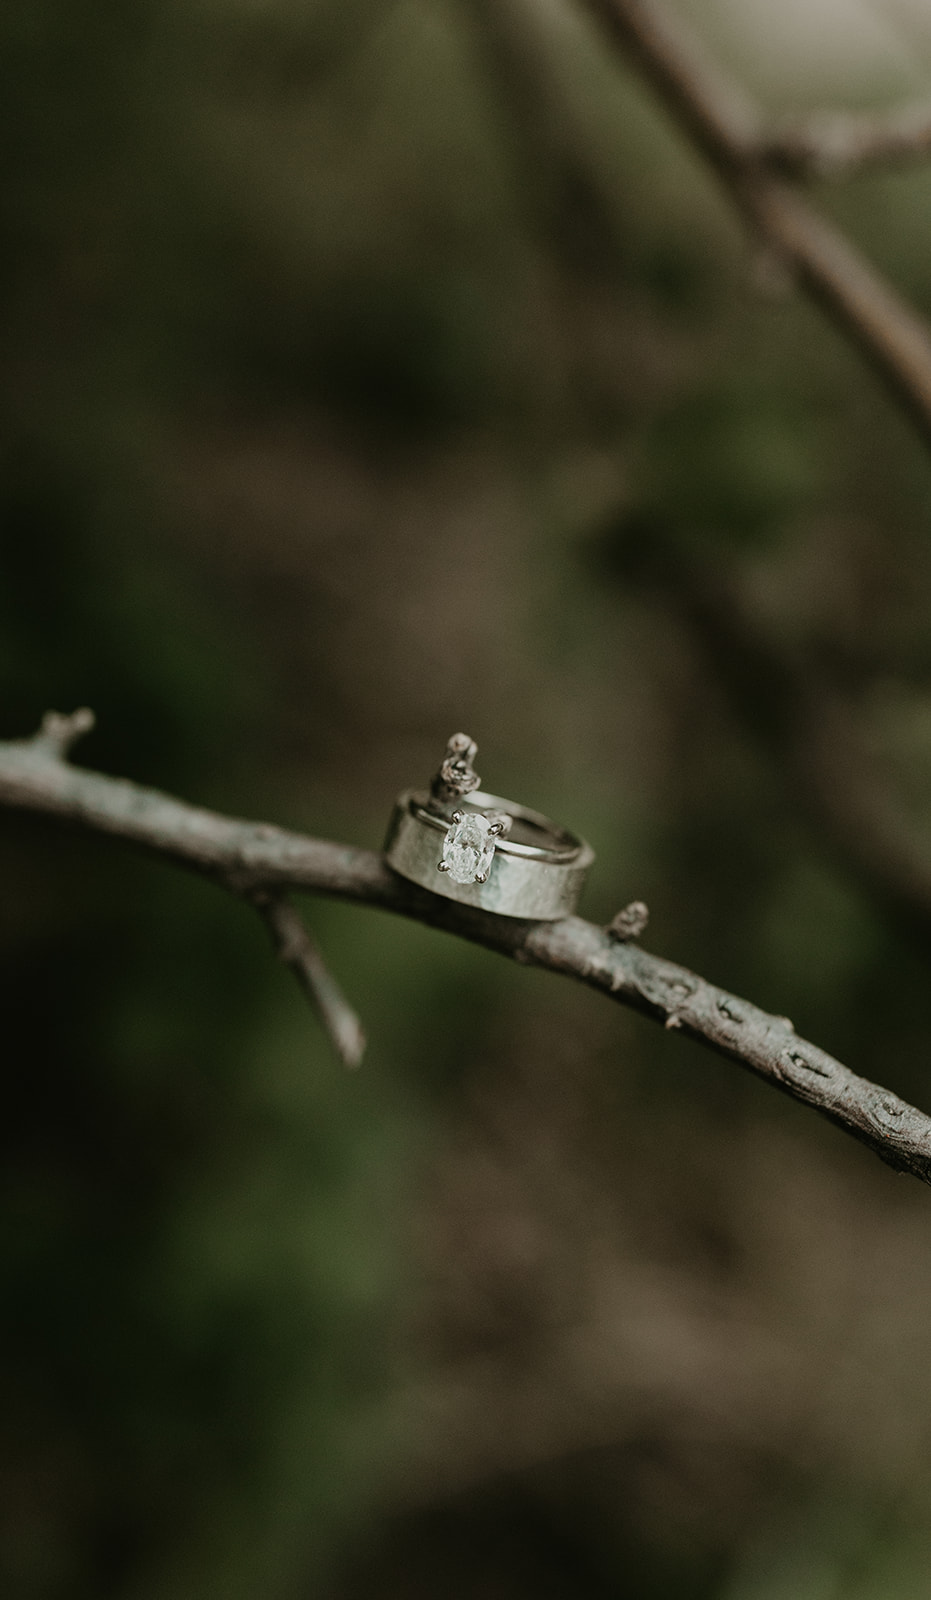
(457, 775)
(629, 923)
(60, 730)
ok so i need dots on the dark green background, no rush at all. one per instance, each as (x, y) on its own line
(363, 381)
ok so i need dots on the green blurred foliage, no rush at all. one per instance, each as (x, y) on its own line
(732, 463)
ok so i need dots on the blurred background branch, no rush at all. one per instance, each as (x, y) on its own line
(715, 116)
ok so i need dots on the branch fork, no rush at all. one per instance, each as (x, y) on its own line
(717, 118)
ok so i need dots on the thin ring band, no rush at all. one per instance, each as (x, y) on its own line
(567, 848)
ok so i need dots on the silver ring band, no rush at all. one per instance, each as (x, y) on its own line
(532, 867)
(565, 846)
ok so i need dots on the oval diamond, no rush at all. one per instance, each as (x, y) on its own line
(468, 848)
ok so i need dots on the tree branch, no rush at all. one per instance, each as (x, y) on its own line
(251, 858)
(720, 123)
(831, 144)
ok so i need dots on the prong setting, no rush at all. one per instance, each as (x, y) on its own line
(499, 824)
(469, 847)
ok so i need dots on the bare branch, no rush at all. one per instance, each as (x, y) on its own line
(254, 857)
(300, 952)
(715, 116)
(832, 144)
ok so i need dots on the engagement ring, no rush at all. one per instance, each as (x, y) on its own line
(481, 850)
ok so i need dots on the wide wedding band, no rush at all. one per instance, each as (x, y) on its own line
(485, 851)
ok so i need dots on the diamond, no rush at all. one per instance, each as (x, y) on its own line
(468, 848)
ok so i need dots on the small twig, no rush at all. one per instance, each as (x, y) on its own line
(720, 123)
(830, 144)
(300, 952)
(629, 923)
(60, 731)
(250, 857)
